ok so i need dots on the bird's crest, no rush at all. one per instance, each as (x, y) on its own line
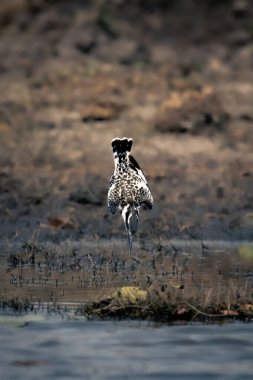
(123, 145)
(121, 148)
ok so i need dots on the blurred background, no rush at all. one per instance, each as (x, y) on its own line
(176, 76)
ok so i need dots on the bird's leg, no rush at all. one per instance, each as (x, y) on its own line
(130, 240)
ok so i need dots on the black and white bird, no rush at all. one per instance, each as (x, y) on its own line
(128, 187)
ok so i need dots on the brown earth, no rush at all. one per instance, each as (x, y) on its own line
(174, 76)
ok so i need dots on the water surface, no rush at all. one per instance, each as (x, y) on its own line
(68, 349)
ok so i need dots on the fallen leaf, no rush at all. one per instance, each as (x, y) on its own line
(230, 312)
(181, 310)
(130, 294)
(247, 307)
(246, 252)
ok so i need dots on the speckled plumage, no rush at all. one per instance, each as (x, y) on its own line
(128, 188)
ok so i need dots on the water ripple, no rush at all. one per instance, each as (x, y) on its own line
(57, 349)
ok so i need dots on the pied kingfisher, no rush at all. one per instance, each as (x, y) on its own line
(128, 187)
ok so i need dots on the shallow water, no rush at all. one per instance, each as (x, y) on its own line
(78, 272)
(68, 349)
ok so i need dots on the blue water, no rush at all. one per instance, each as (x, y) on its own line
(68, 349)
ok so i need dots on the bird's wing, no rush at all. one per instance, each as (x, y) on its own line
(144, 191)
(136, 167)
(146, 196)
